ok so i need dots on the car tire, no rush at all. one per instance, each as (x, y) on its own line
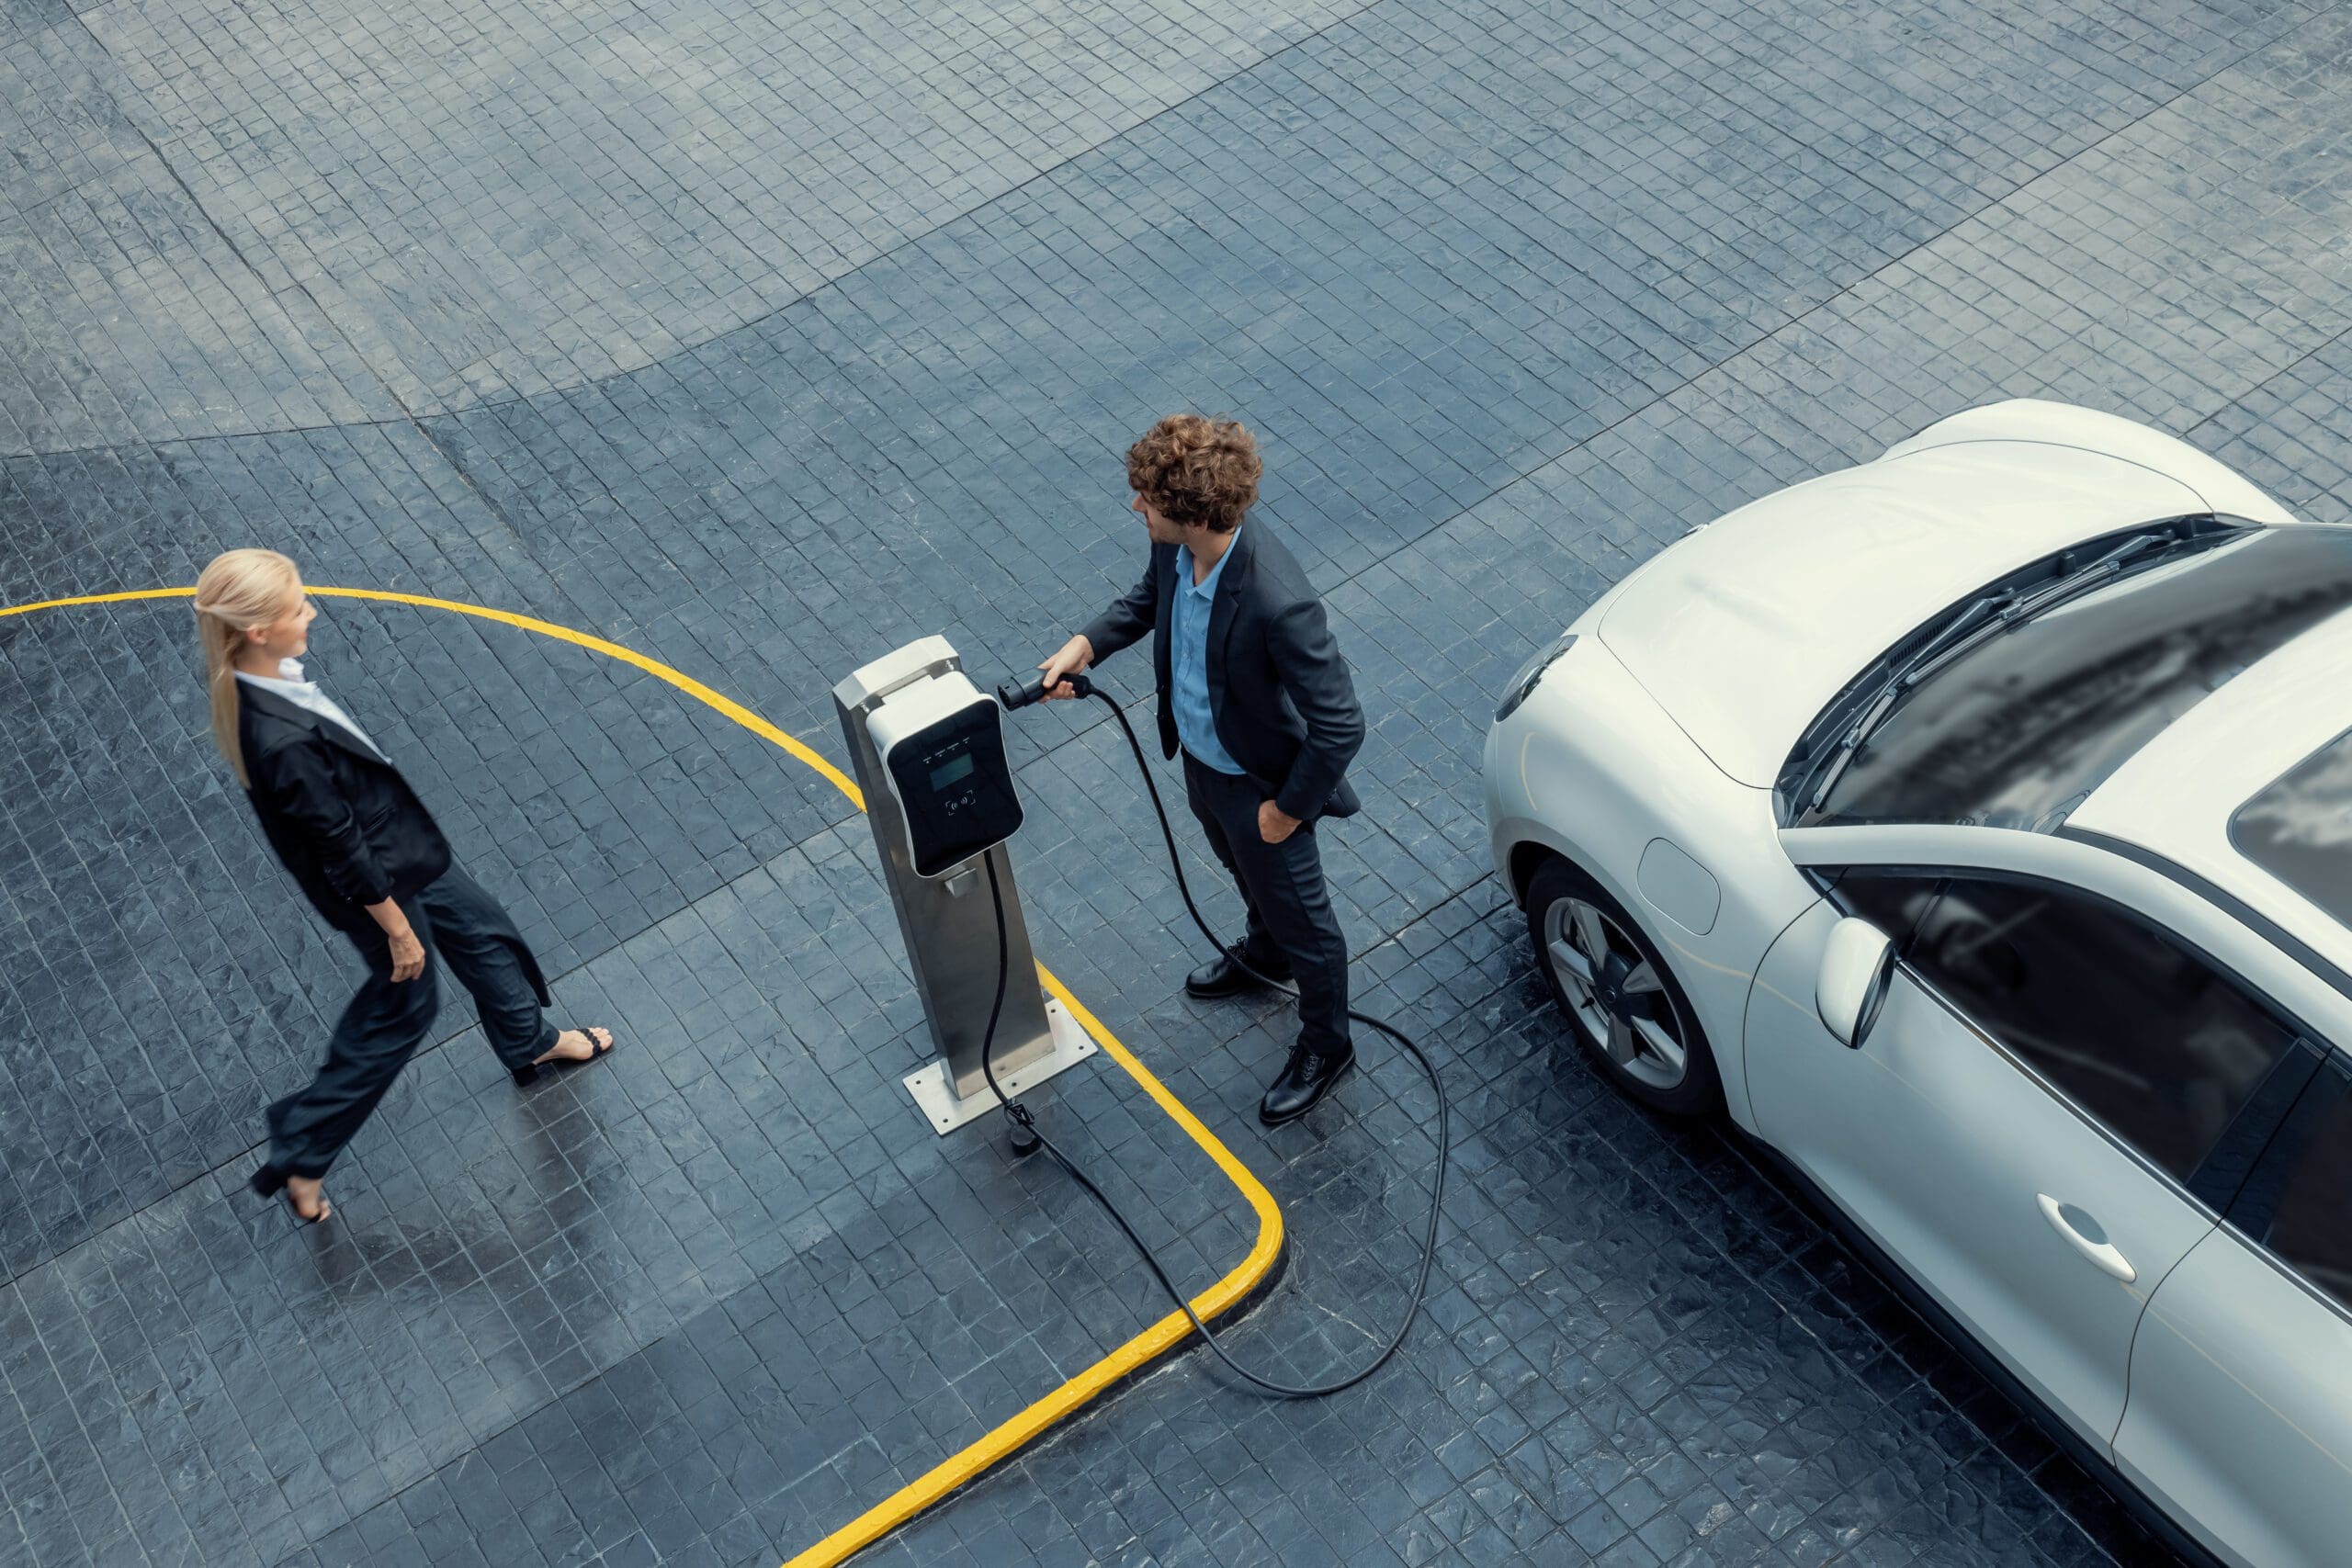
(1627, 1010)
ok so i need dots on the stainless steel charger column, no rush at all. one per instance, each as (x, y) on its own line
(948, 920)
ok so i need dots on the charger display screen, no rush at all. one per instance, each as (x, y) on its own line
(951, 779)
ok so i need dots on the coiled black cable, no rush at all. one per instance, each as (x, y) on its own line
(1027, 1123)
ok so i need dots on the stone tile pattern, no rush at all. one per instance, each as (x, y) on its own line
(1515, 293)
(500, 199)
(126, 314)
(505, 201)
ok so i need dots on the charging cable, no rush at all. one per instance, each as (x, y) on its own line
(1026, 1135)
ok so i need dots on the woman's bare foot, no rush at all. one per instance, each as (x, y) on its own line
(578, 1045)
(304, 1197)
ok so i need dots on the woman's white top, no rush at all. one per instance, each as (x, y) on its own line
(289, 683)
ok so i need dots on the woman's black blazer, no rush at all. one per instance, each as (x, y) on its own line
(344, 822)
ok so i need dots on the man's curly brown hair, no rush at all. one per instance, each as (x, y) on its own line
(1196, 472)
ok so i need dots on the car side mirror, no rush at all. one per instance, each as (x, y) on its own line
(1857, 968)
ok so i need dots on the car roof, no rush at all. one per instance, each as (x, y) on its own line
(2176, 795)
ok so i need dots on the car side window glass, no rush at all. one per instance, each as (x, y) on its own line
(2310, 1227)
(1893, 901)
(2132, 1025)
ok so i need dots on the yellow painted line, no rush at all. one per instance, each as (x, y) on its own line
(106, 599)
(1149, 1346)
(653, 667)
(977, 1457)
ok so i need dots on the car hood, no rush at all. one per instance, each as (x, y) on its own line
(1744, 630)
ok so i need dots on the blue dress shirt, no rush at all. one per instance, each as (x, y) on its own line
(1188, 657)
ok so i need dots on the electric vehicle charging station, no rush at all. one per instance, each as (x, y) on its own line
(928, 749)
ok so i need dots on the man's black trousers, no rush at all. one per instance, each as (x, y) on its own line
(1291, 924)
(462, 926)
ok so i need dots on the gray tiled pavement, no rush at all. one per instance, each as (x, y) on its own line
(760, 340)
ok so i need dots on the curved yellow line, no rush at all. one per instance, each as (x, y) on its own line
(937, 1482)
(949, 1473)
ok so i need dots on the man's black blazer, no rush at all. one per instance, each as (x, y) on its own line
(1279, 691)
(343, 821)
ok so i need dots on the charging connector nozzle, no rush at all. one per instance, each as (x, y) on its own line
(1019, 693)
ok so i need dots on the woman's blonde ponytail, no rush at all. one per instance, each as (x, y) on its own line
(239, 591)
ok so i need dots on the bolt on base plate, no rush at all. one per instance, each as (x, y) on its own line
(935, 1093)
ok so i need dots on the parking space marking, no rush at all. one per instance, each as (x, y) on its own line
(1041, 1415)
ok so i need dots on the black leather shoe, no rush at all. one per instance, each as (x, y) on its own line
(1306, 1080)
(1221, 976)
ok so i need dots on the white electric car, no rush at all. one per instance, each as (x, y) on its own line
(1974, 826)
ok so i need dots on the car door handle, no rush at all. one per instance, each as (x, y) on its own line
(2085, 1235)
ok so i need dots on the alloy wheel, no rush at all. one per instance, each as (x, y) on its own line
(1615, 994)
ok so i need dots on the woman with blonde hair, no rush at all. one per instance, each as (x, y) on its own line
(370, 857)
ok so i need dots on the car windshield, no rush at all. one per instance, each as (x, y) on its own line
(2300, 830)
(2014, 723)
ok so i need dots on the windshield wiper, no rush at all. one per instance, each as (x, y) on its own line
(1987, 617)
(1978, 619)
(2018, 611)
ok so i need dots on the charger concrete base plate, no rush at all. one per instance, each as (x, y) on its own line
(934, 1092)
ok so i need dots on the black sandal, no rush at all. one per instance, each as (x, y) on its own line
(269, 1182)
(529, 1073)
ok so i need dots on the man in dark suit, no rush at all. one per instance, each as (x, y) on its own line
(1253, 691)
(370, 857)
